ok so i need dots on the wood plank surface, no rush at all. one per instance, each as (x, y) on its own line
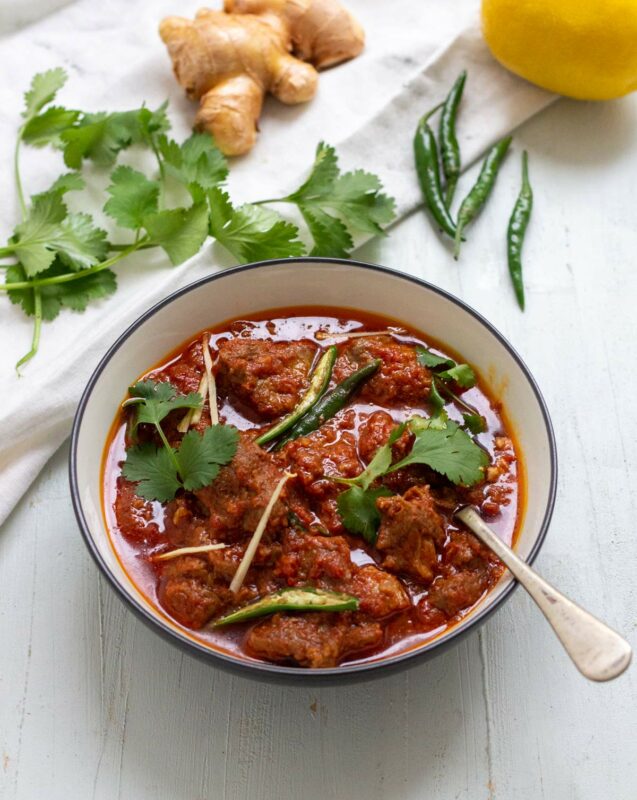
(94, 705)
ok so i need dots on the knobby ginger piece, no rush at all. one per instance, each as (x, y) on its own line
(229, 60)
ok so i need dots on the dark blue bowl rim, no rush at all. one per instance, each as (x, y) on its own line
(273, 670)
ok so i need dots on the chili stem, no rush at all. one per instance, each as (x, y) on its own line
(425, 118)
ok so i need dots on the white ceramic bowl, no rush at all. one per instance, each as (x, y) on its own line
(245, 290)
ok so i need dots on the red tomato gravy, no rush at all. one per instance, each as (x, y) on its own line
(425, 573)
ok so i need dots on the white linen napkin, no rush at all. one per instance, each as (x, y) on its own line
(367, 108)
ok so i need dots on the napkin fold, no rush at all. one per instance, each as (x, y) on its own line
(367, 108)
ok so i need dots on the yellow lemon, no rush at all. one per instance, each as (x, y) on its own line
(580, 48)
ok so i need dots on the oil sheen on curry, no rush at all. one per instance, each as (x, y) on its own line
(283, 487)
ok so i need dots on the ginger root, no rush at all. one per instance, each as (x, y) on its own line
(229, 60)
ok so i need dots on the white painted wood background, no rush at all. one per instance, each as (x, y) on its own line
(95, 705)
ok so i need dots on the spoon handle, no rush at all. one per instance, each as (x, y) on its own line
(596, 650)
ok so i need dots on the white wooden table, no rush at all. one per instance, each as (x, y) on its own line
(95, 705)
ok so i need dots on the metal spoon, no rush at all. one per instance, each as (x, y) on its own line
(596, 650)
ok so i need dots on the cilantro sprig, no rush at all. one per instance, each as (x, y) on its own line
(335, 204)
(445, 373)
(357, 505)
(444, 447)
(161, 471)
(251, 232)
(62, 259)
(449, 450)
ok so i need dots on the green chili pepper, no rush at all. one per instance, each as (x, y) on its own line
(426, 157)
(318, 384)
(517, 228)
(477, 197)
(449, 147)
(305, 598)
(330, 404)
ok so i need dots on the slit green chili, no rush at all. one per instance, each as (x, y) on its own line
(330, 404)
(477, 197)
(304, 598)
(516, 231)
(428, 171)
(449, 147)
(318, 384)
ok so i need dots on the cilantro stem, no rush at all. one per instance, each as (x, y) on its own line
(37, 294)
(16, 172)
(162, 171)
(143, 245)
(270, 200)
(171, 452)
(441, 386)
(73, 276)
(37, 326)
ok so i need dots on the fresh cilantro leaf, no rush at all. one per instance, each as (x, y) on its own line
(49, 231)
(201, 455)
(450, 451)
(331, 203)
(322, 177)
(357, 197)
(24, 297)
(475, 423)
(67, 182)
(96, 138)
(251, 232)
(160, 472)
(100, 137)
(198, 160)
(462, 374)
(357, 505)
(76, 294)
(32, 237)
(331, 237)
(44, 87)
(133, 197)
(158, 399)
(180, 232)
(428, 359)
(151, 123)
(379, 464)
(438, 421)
(153, 470)
(436, 399)
(47, 208)
(45, 128)
(172, 157)
(357, 509)
(79, 243)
